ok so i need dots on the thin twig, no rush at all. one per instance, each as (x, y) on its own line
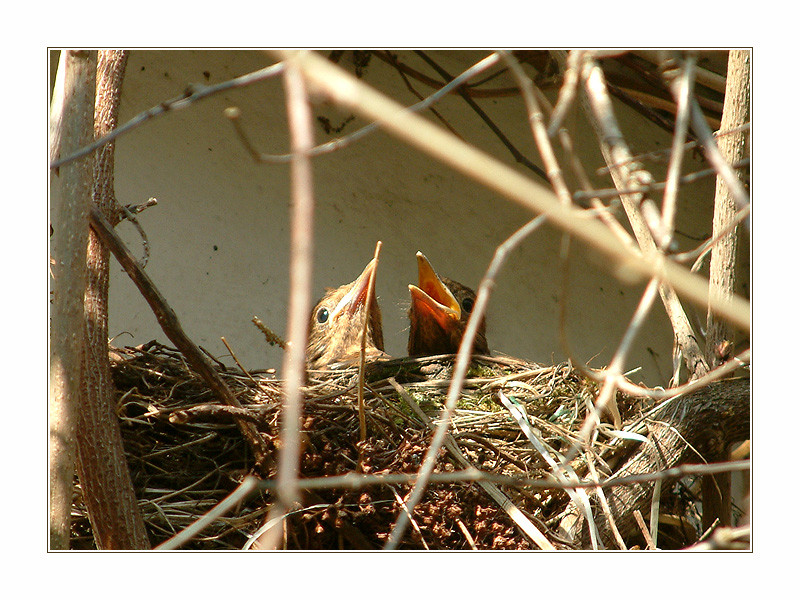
(643, 528)
(233, 114)
(656, 186)
(192, 94)
(518, 156)
(641, 210)
(714, 156)
(236, 360)
(471, 89)
(272, 337)
(403, 505)
(356, 481)
(607, 397)
(658, 155)
(737, 362)
(683, 89)
(571, 64)
(174, 331)
(604, 504)
(362, 420)
(248, 486)
(302, 240)
(536, 119)
(392, 59)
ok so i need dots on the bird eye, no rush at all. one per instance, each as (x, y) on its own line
(468, 304)
(322, 315)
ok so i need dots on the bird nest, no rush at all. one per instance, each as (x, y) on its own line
(186, 452)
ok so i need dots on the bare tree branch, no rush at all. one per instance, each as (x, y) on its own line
(102, 466)
(736, 111)
(650, 232)
(302, 252)
(70, 234)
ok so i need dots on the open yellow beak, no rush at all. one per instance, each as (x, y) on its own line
(432, 296)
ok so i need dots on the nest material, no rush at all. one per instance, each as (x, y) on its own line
(186, 453)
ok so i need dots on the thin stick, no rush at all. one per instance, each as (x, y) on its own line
(682, 89)
(362, 419)
(192, 94)
(234, 114)
(714, 156)
(657, 154)
(467, 535)
(518, 156)
(612, 524)
(737, 362)
(248, 486)
(648, 227)
(174, 331)
(566, 94)
(641, 210)
(236, 360)
(607, 397)
(414, 524)
(643, 527)
(357, 481)
(302, 140)
(536, 119)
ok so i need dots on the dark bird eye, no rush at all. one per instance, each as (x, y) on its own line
(322, 315)
(468, 304)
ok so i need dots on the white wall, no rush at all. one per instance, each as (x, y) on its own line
(219, 236)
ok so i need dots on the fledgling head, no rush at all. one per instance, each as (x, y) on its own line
(440, 309)
(337, 323)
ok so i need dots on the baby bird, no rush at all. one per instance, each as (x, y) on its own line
(337, 322)
(440, 308)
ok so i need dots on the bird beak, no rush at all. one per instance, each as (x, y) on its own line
(432, 297)
(362, 292)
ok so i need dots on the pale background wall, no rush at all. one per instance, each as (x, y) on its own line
(219, 236)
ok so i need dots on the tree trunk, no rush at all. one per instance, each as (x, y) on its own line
(734, 147)
(72, 123)
(102, 465)
(704, 422)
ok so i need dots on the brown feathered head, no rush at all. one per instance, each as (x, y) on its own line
(337, 322)
(440, 309)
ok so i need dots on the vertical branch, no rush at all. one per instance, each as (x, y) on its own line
(302, 141)
(70, 233)
(682, 89)
(736, 112)
(362, 418)
(102, 466)
(619, 160)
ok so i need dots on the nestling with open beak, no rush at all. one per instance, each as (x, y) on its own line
(440, 309)
(337, 323)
